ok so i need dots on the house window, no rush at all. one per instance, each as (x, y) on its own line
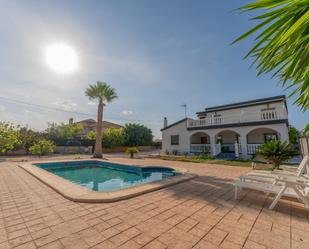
(175, 140)
(270, 137)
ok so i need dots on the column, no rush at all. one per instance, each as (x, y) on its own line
(236, 149)
(213, 145)
(243, 142)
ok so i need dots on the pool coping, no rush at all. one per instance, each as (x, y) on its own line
(77, 193)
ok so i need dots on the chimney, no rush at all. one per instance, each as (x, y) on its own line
(165, 122)
(71, 121)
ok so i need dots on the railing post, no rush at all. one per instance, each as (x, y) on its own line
(214, 149)
(219, 147)
(236, 149)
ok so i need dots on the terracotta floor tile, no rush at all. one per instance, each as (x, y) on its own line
(200, 213)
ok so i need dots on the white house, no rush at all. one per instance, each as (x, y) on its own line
(229, 130)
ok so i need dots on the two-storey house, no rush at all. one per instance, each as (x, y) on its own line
(236, 129)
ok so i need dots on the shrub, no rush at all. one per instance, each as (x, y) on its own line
(90, 135)
(28, 138)
(137, 135)
(9, 137)
(63, 131)
(113, 137)
(42, 147)
(276, 152)
(132, 151)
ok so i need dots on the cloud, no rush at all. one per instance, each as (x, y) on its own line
(2, 108)
(127, 112)
(66, 105)
(91, 103)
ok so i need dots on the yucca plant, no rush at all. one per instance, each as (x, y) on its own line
(132, 151)
(276, 152)
(282, 43)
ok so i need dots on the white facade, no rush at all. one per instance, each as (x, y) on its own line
(237, 128)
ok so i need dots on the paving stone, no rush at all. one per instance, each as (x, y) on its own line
(200, 213)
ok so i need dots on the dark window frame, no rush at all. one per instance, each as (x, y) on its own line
(173, 142)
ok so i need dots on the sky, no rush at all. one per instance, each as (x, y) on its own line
(157, 54)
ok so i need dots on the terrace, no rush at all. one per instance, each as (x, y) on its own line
(242, 117)
(200, 213)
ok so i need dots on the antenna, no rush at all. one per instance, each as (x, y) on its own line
(185, 107)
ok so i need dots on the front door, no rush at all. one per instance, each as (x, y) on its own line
(203, 140)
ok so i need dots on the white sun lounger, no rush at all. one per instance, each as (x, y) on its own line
(292, 186)
(301, 170)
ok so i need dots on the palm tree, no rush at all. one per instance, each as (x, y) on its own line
(276, 152)
(104, 94)
(282, 43)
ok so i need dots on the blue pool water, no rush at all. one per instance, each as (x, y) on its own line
(106, 176)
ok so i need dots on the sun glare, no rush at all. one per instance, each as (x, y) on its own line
(61, 58)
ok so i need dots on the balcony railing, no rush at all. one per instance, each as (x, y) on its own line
(239, 118)
(200, 148)
(251, 148)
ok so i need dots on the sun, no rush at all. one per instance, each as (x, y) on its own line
(61, 58)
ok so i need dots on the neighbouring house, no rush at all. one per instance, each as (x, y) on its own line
(91, 125)
(229, 131)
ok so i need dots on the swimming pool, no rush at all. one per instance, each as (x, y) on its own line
(106, 176)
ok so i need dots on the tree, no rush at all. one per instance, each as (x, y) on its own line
(305, 132)
(282, 44)
(293, 135)
(63, 131)
(113, 137)
(104, 93)
(276, 152)
(28, 137)
(9, 137)
(42, 147)
(137, 135)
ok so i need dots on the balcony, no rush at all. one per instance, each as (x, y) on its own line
(244, 117)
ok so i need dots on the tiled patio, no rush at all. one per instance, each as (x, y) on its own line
(200, 213)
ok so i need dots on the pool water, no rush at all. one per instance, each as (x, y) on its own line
(105, 176)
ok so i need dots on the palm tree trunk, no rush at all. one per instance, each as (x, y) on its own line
(98, 139)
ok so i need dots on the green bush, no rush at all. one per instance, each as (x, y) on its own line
(9, 137)
(63, 131)
(113, 137)
(137, 135)
(42, 147)
(276, 152)
(28, 138)
(90, 135)
(132, 151)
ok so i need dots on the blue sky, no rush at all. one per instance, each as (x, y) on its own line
(157, 54)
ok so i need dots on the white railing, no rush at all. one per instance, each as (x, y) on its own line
(200, 148)
(251, 148)
(218, 150)
(239, 118)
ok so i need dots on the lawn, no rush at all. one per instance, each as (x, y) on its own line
(209, 160)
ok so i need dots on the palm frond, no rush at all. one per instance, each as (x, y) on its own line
(102, 91)
(282, 43)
